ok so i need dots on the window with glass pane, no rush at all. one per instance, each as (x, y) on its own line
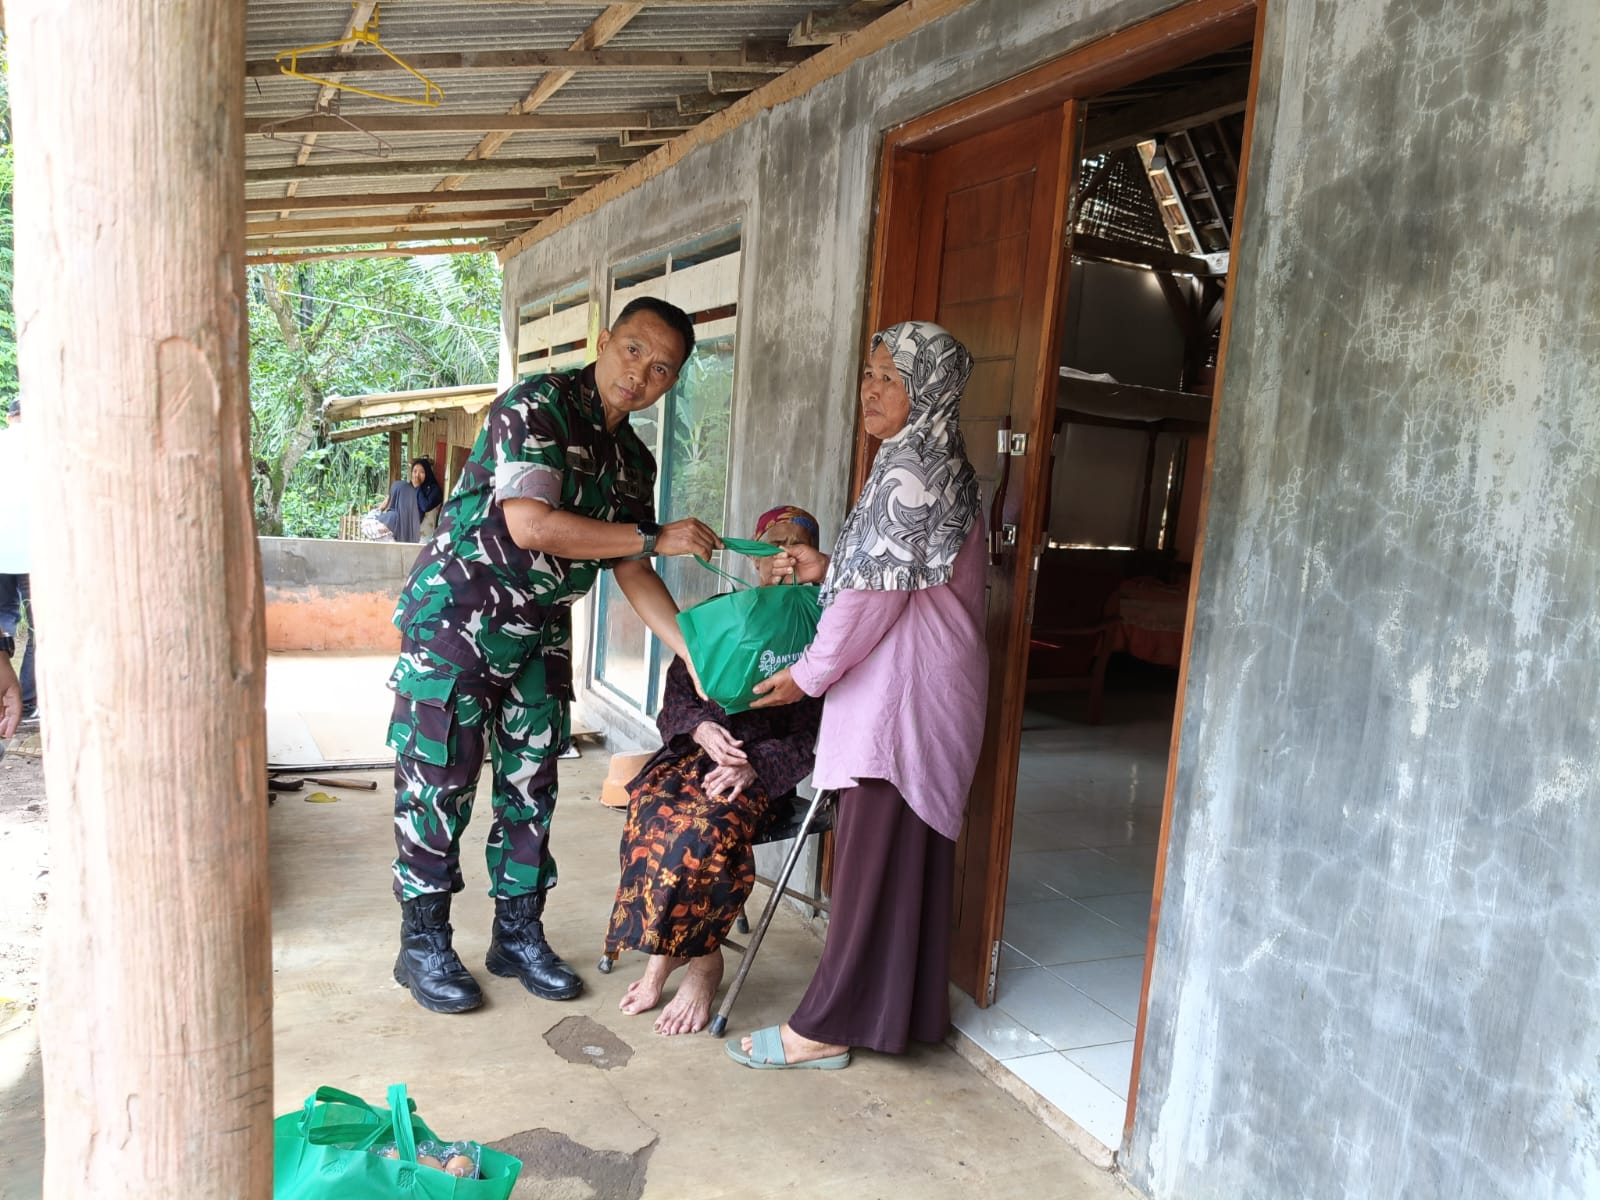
(688, 433)
(694, 471)
(622, 661)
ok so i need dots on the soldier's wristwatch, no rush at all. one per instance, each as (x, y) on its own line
(649, 531)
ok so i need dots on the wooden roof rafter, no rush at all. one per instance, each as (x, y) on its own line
(391, 168)
(360, 14)
(515, 195)
(897, 21)
(733, 57)
(391, 237)
(497, 217)
(452, 122)
(298, 256)
(417, 400)
(601, 30)
(772, 59)
(668, 4)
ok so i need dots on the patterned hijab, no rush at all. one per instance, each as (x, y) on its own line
(921, 498)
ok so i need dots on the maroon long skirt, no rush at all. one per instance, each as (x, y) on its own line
(884, 975)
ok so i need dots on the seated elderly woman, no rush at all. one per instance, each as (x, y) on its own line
(695, 810)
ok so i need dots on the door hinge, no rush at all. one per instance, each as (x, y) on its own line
(1002, 539)
(1012, 444)
(994, 974)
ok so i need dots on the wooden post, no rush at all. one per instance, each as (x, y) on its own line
(156, 1017)
(395, 458)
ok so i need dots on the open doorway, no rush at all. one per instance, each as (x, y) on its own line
(1074, 228)
(1151, 234)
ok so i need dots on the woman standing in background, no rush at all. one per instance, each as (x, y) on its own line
(407, 507)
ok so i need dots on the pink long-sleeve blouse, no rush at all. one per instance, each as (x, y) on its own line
(905, 676)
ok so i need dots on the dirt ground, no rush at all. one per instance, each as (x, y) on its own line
(24, 880)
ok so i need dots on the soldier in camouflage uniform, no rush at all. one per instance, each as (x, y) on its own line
(558, 487)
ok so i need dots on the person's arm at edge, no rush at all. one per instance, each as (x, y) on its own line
(535, 525)
(10, 697)
(682, 709)
(650, 599)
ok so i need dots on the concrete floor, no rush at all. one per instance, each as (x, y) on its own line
(594, 1102)
(646, 1115)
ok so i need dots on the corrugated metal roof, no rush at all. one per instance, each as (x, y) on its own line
(415, 27)
(713, 27)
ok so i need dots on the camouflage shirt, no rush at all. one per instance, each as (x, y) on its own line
(473, 589)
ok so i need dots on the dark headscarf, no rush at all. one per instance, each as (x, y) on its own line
(430, 495)
(921, 498)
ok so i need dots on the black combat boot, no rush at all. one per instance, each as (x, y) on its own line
(519, 950)
(427, 965)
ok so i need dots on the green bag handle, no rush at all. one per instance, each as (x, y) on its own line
(329, 1093)
(405, 1137)
(737, 583)
(751, 549)
(358, 1135)
(748, 548)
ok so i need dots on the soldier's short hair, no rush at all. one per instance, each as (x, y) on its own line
(674, 317)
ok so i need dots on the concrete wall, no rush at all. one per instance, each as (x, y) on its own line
(1377, 973)
(333, 595)
(801, 179)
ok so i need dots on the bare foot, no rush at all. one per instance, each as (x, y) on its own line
(644, 993)
(797, 1049)
(690, 1010)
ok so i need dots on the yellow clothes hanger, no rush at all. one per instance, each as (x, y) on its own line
(289, 63)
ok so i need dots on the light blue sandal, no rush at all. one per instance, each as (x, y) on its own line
(766, 1054)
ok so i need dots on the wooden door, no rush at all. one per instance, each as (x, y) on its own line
(989, 268)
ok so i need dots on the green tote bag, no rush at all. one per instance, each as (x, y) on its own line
(738, 639)
(326, 1152)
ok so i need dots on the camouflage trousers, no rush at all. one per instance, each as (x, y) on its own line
(445, 718)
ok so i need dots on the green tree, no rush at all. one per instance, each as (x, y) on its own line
(347, 327)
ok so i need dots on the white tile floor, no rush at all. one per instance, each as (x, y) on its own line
(1083, 856)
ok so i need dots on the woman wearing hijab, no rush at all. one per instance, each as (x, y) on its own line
(409, 502)
(900, 660)
(430, 496)
(695, 810)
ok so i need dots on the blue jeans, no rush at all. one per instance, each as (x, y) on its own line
(15, 603)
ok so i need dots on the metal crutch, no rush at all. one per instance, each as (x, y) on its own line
(719, 1023)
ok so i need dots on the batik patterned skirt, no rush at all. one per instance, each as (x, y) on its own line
(687, 867)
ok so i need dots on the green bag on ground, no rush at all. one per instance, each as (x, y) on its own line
(328, 1151)
(738, 639)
